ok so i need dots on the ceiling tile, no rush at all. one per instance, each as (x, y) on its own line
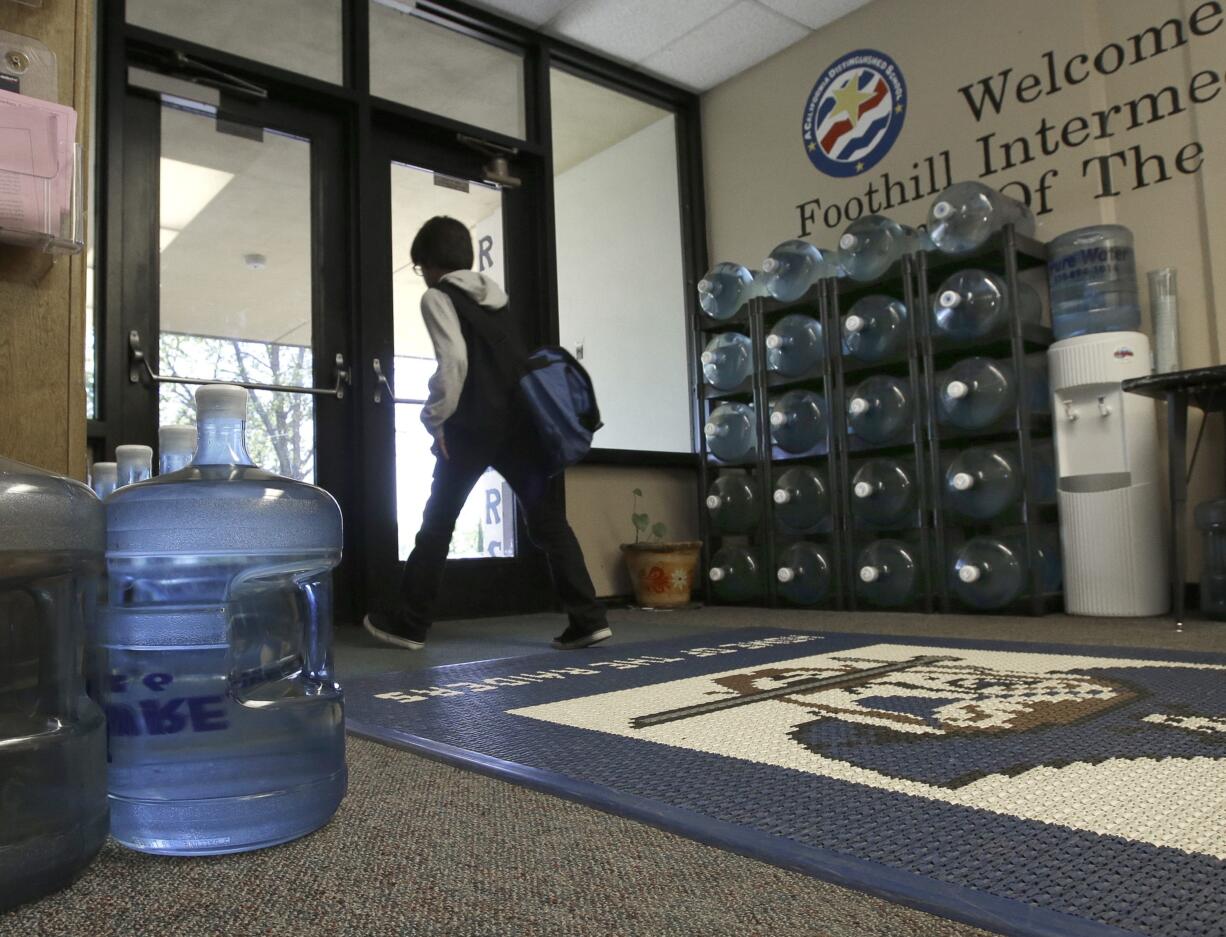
(632, 30)
(814, 13)
(738, 38)
(531, 12)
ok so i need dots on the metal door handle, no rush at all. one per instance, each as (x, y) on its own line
(138, 367)
(384, 389)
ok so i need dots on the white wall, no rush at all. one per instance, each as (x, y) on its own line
(621, 288)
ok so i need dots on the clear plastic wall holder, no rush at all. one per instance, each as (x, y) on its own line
(28, 67)
(40, 175)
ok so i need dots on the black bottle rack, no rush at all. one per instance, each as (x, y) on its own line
(930, 529)
(1007, 254)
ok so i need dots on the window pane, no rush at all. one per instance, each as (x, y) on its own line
(615, 159)
(235, 241)
(298, 35)
(486, 526)
(432, 68)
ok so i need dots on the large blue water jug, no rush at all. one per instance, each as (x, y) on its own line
(1092, 274)
(801, 501)
(725, 289)
(976, 393)
(803, 573)
(53, 808)
(983, 482)
(875, 329)
(733, 502)
(798, 421)
(793, 267)
(883, 494)
(873, 243)
(993, 571)
(879, 410)
(735, 574)
(888, 573)
(727, 361)
(226, 727)
(731, 432)
(967, 214)
(974, 304)
(794, 345)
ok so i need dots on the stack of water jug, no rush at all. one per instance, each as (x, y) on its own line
(200, 602)
(960, 400)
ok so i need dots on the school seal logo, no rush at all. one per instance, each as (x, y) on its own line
(854, 113)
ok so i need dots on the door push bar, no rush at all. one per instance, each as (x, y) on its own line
(138, 366)
(382, 385)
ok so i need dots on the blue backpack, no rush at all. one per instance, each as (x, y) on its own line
(557, 393)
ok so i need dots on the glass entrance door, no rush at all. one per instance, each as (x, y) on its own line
(492, 567)
(486, 527)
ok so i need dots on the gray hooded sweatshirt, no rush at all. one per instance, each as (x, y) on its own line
(443, 325)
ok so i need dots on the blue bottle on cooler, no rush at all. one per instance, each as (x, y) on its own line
(802, 502)
(798, 421)
(872, 244)
(725, 289)
(879, 410)
(733, 503)
(53, 806)
(225, 725)
(967, 214)
(103, 477)
(992, 572)
(976, 393)
(985, 481)
(727, 361)
(974, 304)
(803, 573)
(1092, 275)
(883, 494)
(133, 464)
(875, 329)
(794, 345)
(176, 447)
(793, 267)
(888, 574)
(735, 574)
(731, 432)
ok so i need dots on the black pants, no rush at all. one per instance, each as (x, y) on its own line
(547, 528)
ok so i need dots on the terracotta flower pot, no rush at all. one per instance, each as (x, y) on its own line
(662, 573)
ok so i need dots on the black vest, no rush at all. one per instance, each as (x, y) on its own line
(496, 355)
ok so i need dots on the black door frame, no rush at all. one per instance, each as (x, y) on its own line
(358, 117)
(477, 586)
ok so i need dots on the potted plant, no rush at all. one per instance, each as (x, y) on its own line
(662, 571)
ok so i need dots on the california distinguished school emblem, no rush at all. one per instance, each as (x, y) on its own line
(854, 113)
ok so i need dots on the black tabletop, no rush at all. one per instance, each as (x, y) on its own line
(1203, 388)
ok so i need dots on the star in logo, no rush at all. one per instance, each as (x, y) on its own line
(859, 167)
(898, 109)
(812, 147)
(847, 100)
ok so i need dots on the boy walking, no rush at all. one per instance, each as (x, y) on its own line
(472, 414)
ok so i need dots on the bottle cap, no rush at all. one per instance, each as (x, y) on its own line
(963, 481)
(706, 286)
(863, 490)
(950, 298)
(778, 418)
(714, 501)
(717, 573)
(177, 439)
(773, 341)
(858, 406)
(942, 210)
(785, 574)
(969, 573)
(227, 401)
(869, 574)
(770, 265)
(782, 496)
(103, 471)
(711, 429)
(853, 323)
(708, 357)
(131, 454)
(848, 241)
(956, 390)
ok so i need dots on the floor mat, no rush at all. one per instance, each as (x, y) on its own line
(1030, 789)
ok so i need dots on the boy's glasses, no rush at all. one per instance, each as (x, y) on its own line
(417, 269)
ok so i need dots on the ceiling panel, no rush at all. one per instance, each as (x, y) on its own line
(532, 12)
(738, 38)
(632, 30)
(814, 13)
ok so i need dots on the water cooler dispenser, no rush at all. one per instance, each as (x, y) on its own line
(1111, 496)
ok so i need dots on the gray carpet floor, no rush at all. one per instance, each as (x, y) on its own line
(420, 848)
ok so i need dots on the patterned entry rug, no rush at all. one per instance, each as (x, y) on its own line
(1025, 788)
